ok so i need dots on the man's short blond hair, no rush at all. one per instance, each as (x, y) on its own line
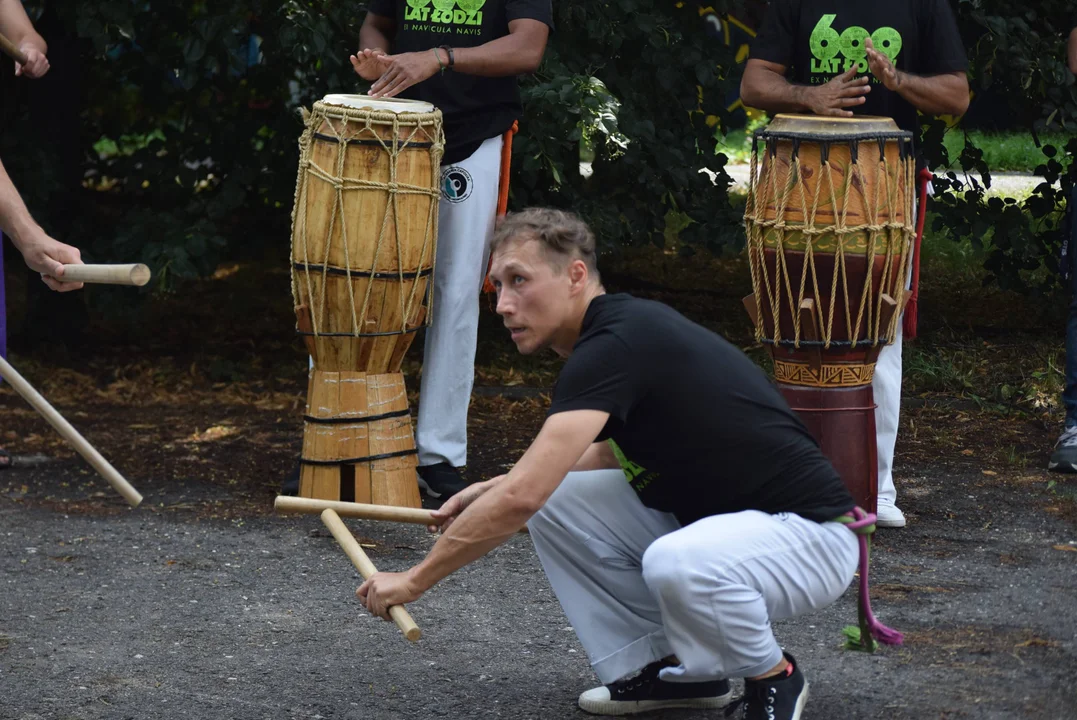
(562, 235)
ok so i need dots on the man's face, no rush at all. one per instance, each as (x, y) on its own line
(532, 297)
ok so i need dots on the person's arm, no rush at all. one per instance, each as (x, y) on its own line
(496, 514)
(375, 42)
(15, 25)
(765, 87)
(41, 252)
(942, 94)
(517, 53)
(1071, 53)
(597, 457)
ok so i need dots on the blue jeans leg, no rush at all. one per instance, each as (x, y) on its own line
(1069, 396)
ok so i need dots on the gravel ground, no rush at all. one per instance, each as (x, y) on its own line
(171, 613)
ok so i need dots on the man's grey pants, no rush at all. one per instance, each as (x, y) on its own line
(638, 587)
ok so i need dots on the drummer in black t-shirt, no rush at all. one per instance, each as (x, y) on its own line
(677, 504)
(462, 56)
(846, 57)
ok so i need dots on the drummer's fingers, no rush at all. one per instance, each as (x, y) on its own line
(855, 91)
(838, 112)
(850, 101)
(400, 84)
(386, 78)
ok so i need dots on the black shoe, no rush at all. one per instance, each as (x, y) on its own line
(646, 691)
(782, 697)
(441, 481)
(290, 486)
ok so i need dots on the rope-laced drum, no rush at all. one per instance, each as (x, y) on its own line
(829, 221)
(364, 238)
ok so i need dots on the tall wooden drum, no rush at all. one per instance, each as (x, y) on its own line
(829, 221)
(364, 239)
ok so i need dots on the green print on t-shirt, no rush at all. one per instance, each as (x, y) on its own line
(834, 53)
(447, 13)
(637, 476)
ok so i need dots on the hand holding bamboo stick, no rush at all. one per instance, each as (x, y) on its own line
(366, 568)
(134, 274)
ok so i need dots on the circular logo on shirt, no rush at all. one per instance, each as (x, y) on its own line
(456, 184)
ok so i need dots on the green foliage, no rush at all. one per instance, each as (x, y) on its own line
(190, 121)
(1016, 54)
(667, 77)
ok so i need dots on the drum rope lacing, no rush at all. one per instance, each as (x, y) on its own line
(890, 233)
(412, 129)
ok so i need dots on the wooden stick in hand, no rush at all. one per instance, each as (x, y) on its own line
(366, 568)
(136, 274)
(11, 51)
(390, 513)
(70, 434)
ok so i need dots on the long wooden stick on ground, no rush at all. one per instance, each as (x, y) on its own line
(70, 434)
(366, 569)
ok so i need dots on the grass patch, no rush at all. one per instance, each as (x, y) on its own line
(1005, 152)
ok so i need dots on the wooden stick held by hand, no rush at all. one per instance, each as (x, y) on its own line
(366, 568)
(390, 513)
(135, 274)
(11, 51)
(70, 434)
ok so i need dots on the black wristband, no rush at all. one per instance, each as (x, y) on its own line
(448, 50)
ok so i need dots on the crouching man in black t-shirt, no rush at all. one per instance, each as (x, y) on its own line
(677, 504)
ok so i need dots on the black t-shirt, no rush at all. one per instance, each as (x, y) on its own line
(698, 427)
(474, 108)
(820, 39)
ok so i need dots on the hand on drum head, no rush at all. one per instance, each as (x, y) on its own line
(881, 67)
(368, 63)
(845, 91)
(404, 70)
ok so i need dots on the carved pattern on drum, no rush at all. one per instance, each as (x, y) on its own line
(830, 376)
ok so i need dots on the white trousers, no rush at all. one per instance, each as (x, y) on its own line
(886, 386)
(468, 209)
(638, 587)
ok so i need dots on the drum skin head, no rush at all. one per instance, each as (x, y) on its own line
(816, 126)
(396, 105)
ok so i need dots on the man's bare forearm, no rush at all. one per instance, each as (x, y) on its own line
(490, 520)
(371, 38)
(935, 94)
(513, 54)
(15, 219)
(15, 25)
(773, 93)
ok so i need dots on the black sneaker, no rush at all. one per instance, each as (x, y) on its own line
(441, 481)
(646, 691)
(782, 697)
(290, 485)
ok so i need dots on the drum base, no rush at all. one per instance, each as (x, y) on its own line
(842, 420)
(358, 443)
